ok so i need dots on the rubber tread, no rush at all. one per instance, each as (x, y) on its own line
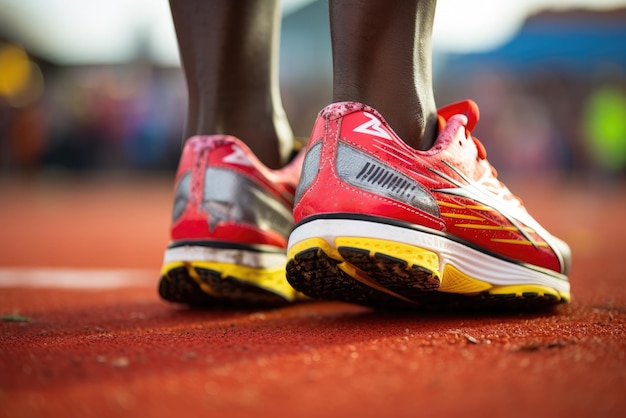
(318, 276)
(180, 287)
(313, 272)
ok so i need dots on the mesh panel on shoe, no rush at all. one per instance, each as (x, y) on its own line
(229, 196)
(360, 170)
(310, 168)
(181, 196)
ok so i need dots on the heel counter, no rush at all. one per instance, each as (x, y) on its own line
(220, 196)
(340, 177)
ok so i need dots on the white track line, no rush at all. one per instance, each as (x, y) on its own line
(73, 278)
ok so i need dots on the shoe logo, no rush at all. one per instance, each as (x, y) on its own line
(238, 156)
(372, 127)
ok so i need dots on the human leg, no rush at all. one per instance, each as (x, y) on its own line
(382, 57)
(232, 214)
(229, 53)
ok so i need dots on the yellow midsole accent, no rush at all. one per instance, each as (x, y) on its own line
(414, 256)
(271, 279)
(455, 281)
(518, 290)
(566, 296)
(309, 243)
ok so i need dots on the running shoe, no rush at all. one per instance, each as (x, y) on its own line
(231, 221)
(382, 224)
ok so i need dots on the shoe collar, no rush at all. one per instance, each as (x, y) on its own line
(469, 109)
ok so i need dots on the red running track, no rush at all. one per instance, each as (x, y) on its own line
(83, 332)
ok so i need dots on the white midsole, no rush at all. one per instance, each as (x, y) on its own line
(253, 259)
(472, 262)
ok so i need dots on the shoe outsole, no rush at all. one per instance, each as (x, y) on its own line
(318, 276)
(359, 275)
(200, 287)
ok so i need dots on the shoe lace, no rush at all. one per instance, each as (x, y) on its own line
(469, 108)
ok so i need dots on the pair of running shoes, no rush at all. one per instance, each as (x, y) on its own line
(358, 216)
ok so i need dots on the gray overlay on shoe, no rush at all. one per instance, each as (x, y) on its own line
(231, 197)
(310, 167)
(181, 196)
(367, 173)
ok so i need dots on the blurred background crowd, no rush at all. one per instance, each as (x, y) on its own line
(551, 86)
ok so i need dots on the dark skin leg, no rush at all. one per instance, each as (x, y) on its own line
(382, 57)
(229, 56)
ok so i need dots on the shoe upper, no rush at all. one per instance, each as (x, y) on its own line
(356, 164)
(224, 193)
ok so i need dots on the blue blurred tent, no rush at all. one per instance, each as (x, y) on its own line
(575, 41)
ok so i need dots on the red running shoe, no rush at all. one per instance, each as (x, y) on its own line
(232, 216)
(382, 224)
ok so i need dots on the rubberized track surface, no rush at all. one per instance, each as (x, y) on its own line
(97, 341)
